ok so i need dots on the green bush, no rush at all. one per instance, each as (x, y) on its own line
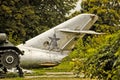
(99, 56)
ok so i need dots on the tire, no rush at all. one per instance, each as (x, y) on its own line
(10, 59)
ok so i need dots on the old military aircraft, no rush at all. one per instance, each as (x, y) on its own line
(50, 47)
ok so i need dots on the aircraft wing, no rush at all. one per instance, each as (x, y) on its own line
(82, 31)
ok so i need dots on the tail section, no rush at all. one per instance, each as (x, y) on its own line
(63, 36)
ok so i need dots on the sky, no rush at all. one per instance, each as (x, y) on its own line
(78, 5)
(77, 8)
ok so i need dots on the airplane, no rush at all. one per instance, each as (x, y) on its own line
(50, 47)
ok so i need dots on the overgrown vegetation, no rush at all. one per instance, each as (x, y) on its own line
(99, 55)
(99, 58)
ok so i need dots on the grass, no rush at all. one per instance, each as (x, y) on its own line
(46, 79)
(64, 67)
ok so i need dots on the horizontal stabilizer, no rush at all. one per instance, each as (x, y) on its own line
(75, 31)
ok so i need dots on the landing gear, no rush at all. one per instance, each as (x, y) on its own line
(20, 72)
(4, 71)
(10, 59)
(9, 56)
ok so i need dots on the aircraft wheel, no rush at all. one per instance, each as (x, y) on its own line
(10, 59)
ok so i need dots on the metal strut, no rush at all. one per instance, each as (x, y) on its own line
(21, 74)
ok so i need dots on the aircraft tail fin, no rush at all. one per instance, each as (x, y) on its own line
(62, 37)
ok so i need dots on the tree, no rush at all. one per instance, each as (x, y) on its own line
(24, 19)
(18, 20)
(108, 12)
(101, 52)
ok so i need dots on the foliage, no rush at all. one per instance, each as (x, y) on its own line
(108, 12)
(24, 19)
(98, 55)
